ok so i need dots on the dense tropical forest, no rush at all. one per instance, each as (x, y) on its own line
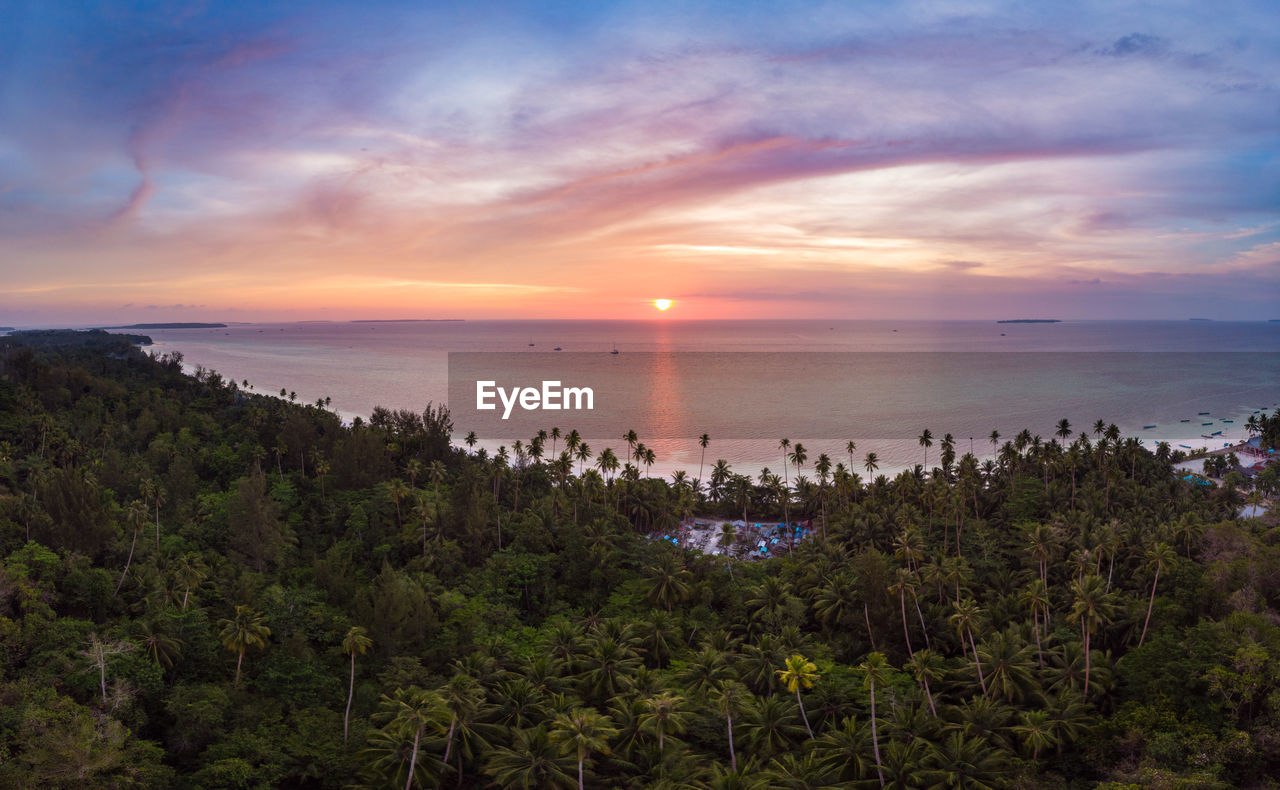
(206, 587)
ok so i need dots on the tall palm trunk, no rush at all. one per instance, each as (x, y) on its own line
(733, 757)
(924, 628)
(978, 663)
(803, 715)
(351, 692)
(902, 600)
(413, 759)
(1150, 603)
(875, 738)
(184, 605)
(1087, 662)
(928, 694)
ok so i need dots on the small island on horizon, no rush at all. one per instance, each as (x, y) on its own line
(1030, 321)
(401, 320)
(172, 325)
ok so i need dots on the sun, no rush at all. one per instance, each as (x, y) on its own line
(663, 304)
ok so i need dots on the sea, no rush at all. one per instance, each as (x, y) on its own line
(748, 384)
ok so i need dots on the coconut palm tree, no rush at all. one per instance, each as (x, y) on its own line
(189, 572)
(243, 631)
(533, 761)
(356, 641)
(581, 732)
(926, 441)
(875, 669)
(927, 666)
(799, 673)
(664, 713)
(1159, 558)
(1063, 429)
(1092, 607)
(1035, 731)
(136, 516)
(872, 463)
(412, 710)
(965, 619)
(158, 644)
(731, 698)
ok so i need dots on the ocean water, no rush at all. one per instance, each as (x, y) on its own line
(749, 383)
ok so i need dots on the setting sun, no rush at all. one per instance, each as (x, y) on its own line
(662, 304)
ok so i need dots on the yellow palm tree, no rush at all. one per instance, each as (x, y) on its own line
(799, 672)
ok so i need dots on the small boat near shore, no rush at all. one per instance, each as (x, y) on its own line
(1147, 427)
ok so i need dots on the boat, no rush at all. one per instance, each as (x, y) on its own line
(615, 349)
(557, 348)
(1205, 424)
(1147, 427)
(1185, 446)
(1184, 420)
(1201, 413)
(1231, 421)
(1216, 433)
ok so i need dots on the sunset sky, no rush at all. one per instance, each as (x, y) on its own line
(258, 161)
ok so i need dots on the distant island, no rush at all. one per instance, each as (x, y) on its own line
(6, 329)
(178, 325)
(400, 320)
(1030, 321)
(76, 338)
(1199, 319)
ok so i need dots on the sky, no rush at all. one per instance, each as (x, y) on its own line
(250, 161)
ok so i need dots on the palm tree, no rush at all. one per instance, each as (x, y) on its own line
(965, 618)
(532, 762)
(799, 672)
(1093, 606)
(872, 463)
(189, 573)
(1159, 557)
(664, 713)
(356, 641)
(995, 442)
(397, 490)
(162, 648)
(136, 516)
(243, 631)
(582, 731)
(413, 710)
(926, 441)
(1036, 732)
(1063, 429)
(731, 699)
(470, 440)
(583, 454)
(899, 588)
(784, 445)
(875, 669)
(154, 492)
(436, 472)
(668, 582)
(849, 447)
(703, 441)
(926, 666)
